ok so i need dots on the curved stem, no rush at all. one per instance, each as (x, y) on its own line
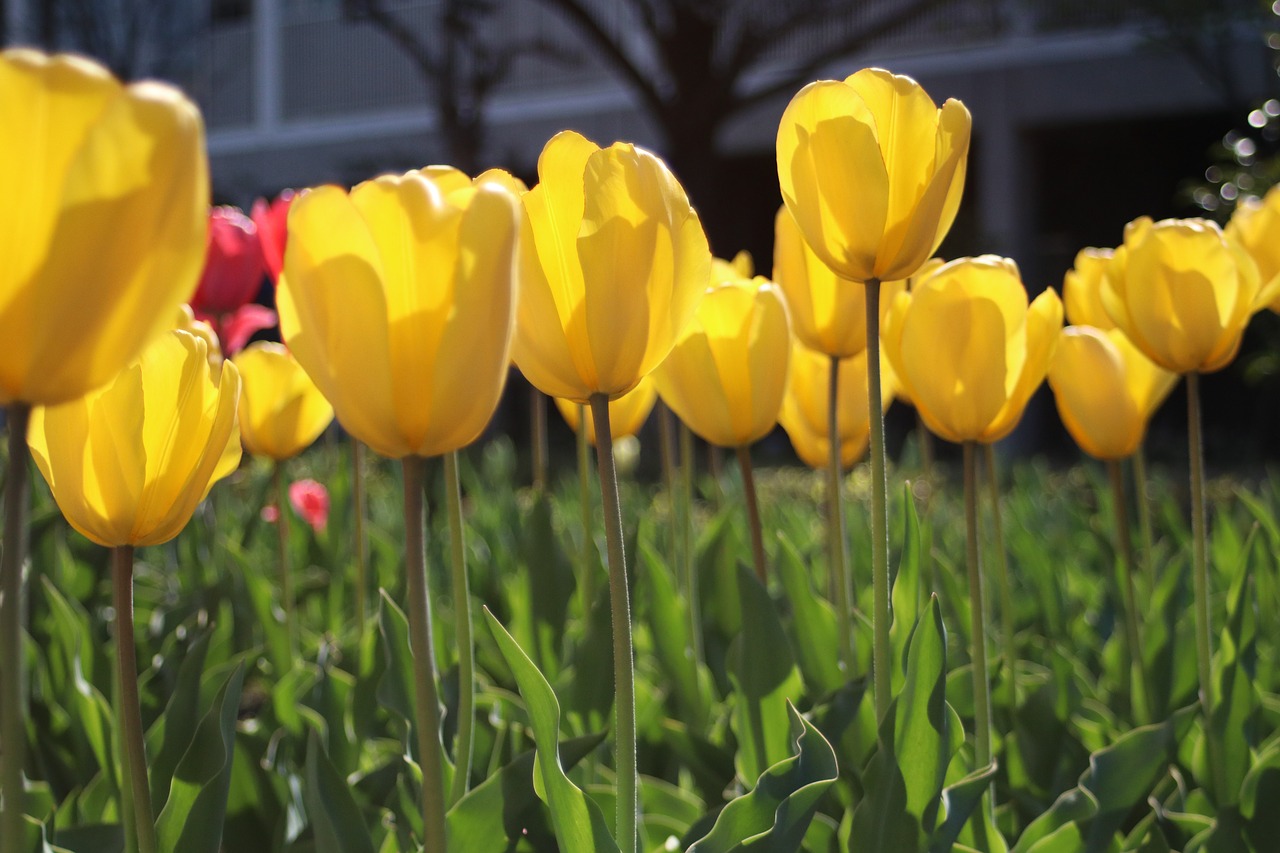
(357, 498)
(1133, 637)
(753, 513)
(13, 729)
(688, 576)
(539, 438)
(282, 547)
(839, 580)
(129, 716)
(1007, 632)
(977, 613)
(881, 614)
(584, 504)
(620, 606)
(462, 632)
(427, 705)
(1200, 577)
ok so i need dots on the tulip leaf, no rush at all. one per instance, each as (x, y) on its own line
(177, 725)
(579, 825)
(495, 814)
(813, 622)
(765, 681)
(669, 621)
(775, 814)
(907, 589)
(905, 776)
(193, 816)
(336, 823)
(958, 802)
(551, 584)
(1237, 697)
(395, 688)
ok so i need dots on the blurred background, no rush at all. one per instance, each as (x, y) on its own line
(1086, 114)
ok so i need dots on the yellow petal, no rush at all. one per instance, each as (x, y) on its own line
(1043, 324)
(281, 410)
(1082, 287)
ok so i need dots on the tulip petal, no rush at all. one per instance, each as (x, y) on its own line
(1043, 324)
(1089, 385)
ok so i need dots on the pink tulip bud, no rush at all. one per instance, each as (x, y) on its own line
(272, 220)
(233, 265)
(311, 501)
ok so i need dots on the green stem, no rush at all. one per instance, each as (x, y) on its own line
(129, 715)
(753, 513)
(462, 627)
(620, 605)
(282, 547)
(1133, 637)
(839, 581)
(1144, 506)
(977, 613)
(881, 613)
(1200, 567)
(358, 500)
(926, 448)
(427, 706)
(589, 555)
(666, 436)
(13, 728)
(1009, 652)
(538, 438)
(688, 572)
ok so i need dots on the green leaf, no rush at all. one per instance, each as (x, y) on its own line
(812, 623)
(336, 823)
(579, 825)
(493, 815)
(551, 584)
(177, 726)
(958, 802)
(907, 589)
(395, 688)
(775, 815)
(765, 681)
(668, 616)
(193, 817)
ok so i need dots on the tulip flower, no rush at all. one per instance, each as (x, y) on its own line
(233, 272)
(398, 300)
(163, 424)
(805, 406)
(968, 350)
(187, 322)
(272, 221)
(741, 266)
(127, 464)
(1082, 289)
(105, 188)
(310, 500)
(618, 262)
(281, 410)
(1106, 390)
(627, 414)
(1255, 225)
(1183, 293)
(613, 263)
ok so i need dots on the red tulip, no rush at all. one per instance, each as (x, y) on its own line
(311, 501)
(235, 329)
(272, 220)
(233, 265)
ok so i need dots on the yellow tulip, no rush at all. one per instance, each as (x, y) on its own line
(828, 312)
(627, 413)
(106, 194)
(742, 266)
(1106, 390)
(129, 462)
(1256, 225)
(1183, 293)
(619, 261)
(872, 171)
(727, 373)
(398, 300)
(1082, 289)
(187, 322)
(969, 350)
(281, 410)
(805, 406)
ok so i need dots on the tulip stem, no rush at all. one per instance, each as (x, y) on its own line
(13, 727)
(839, 580)
(589, 555)
(881, 613)
(1144, 506)
(666, 437)
(753, 513)
(129, 715)
(1007, 631)
(1133, 637)
(427, 705)
(1200, 566)
(462, 631)
(286, 571)
(623, 663)
(358, 501)
(538, 438)
(926, 448)
(977, 613)
(688, 574)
